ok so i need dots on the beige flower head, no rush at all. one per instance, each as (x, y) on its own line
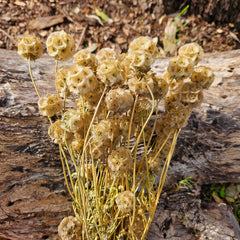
(193, 51)
(180, 67)
(119, 100)
(70, 228)
(144, 44)
(81, 80)
(120, 160)
(60, 45)
(29, 47)
(204, 76)
(49, 105)
(124, 201)
(85, 58)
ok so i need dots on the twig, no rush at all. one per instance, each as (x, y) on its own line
(82, 37)
(9, 36)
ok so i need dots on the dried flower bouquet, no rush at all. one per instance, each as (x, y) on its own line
(115, 141)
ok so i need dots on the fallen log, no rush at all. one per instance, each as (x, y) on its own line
(33, 196)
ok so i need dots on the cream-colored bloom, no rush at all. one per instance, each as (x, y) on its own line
(49, 105)
(120, 160)
(124, 201)
(193, 51)
(81, 80)
(70, 228)
(60, 45)
(119, 100)
(29, 47)
(204, 76)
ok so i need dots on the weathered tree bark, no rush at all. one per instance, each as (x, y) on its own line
(219, 11)
(33, 196)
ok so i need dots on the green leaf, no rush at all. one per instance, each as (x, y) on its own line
(102, 15)
(222, 192)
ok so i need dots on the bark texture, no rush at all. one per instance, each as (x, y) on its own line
(33, 196)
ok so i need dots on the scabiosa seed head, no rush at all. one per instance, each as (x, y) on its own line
(70, 228)
(58, 134)
(49, 105)
(202, 75)
(124, 201)
(85, 58)
(106, 55)
(104, 130)
(81, 80)
(180, 67)
(60, 45)
(120, 160)
(192, 51)
(191, 94)
(110, 73)
(61, 82)
(144, 44)
(73, 120)
(119, 100)
(29, 47)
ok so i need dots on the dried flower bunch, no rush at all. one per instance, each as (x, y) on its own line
(115, 141)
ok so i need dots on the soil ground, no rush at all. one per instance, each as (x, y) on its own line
(128, 20)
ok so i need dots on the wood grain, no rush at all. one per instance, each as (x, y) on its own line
(33, 196)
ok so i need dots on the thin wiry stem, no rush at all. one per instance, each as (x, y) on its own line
(31, 76)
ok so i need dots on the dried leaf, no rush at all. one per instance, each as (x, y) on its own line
(170, 36)
(216, 198)
(234, 36)
(46, 22)
(20, 3)
(94, 17)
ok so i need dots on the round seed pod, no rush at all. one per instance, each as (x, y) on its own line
(60, 45)
(85, 58)
(120, 160)
(110, 73)
(81, 80)
(124, 201)
(138, 85)
(106, 55)
(60, 82)
(139, 61)
(180, 67)
(193, 51)
(119, 100)
(202, 75)
(104, 130)
(70, 228)
(58, 134)
(163, 127)
(29, 47)
(49, 105)
(191, 94)
(73, 120)
(145, 44)
(161, 88)
(177, 114)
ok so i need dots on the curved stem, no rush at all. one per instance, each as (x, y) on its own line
(33, 81)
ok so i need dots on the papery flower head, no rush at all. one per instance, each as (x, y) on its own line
(29, 47)
(60, 45)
